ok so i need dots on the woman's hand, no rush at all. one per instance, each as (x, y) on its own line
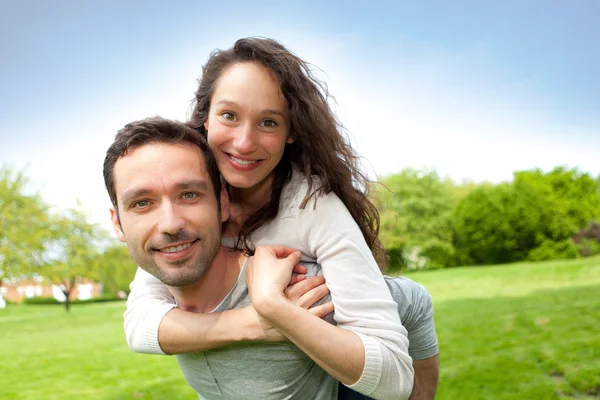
(305, 293)
(268, 275)
(268, 278)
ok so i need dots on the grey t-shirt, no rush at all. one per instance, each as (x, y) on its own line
(260, 370)
(416, 314)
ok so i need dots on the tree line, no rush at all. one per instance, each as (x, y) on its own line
(61, 247)
(426, 222)
(430, 222)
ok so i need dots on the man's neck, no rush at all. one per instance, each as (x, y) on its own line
(207, 293)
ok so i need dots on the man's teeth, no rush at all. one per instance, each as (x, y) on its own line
(242, 162)
(175, 249)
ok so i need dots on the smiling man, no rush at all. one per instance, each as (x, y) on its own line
(169, 206)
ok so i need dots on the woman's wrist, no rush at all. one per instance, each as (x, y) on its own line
(271, 306)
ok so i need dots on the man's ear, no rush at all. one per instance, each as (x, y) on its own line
(224, 204)
(114, 218)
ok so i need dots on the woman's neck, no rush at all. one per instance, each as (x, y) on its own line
(246, 201)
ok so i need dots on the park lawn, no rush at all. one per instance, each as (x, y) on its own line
(520, 331)
(49, 354)
(527, 331)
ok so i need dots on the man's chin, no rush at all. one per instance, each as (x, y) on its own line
(179, 278)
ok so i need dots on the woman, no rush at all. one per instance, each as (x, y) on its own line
(291, 180)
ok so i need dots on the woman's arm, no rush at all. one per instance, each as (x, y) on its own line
(154, 325)
(268, 271)
(370, 351)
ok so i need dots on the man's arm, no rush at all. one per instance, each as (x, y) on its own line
(426, 378)
(416, 313)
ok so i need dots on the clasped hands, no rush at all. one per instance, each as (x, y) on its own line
(275, 278)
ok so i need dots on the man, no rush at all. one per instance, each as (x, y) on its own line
(166, 192)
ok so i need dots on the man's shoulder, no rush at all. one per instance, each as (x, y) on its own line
(406, 287)
(412, 298)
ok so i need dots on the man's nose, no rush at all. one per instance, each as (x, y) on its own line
(171, 221)
(245, 141)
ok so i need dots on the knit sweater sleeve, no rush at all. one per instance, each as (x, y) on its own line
(147, 304)
(363, 303)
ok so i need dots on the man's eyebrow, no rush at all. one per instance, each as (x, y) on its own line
(267, 111)
(131, 194)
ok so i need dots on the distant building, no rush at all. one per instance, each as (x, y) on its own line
(18, 290)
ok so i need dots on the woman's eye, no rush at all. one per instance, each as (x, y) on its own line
(268, 123)
(228, 116)
(189, 195)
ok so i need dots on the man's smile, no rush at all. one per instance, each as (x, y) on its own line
(178, 251)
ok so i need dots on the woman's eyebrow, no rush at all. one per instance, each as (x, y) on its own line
(269, 111)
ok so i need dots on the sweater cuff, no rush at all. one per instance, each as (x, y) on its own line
(371, 375)
(152, 322)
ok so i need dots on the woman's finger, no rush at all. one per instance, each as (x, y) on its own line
(297, 278)
(322, 310)
(293, 292)
(300, 269)
(313, 296)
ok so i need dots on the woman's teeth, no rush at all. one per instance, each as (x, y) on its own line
(242, 162)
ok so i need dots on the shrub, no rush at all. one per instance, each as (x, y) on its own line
(550, 250)
(51, 300)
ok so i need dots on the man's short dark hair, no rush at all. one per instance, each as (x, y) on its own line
(157, 130)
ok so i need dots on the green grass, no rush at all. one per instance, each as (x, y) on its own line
(522, 331)
(49, 354)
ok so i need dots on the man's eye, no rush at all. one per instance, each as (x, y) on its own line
(141, 204)
(228, 116)
(190, 195)
(268, 123)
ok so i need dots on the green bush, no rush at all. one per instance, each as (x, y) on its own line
(589, 247)
(51, 300)
(549, 250)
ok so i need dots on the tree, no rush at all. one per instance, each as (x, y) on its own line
(497, 224)
(416, 225)
(116, 269)
(75, 252)
(571, 204)
(26, 226)
(532, 218)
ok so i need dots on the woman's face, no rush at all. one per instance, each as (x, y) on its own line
(248, 125)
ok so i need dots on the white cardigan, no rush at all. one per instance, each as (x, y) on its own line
(325, 232)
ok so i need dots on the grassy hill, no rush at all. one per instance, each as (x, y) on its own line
(527, 331)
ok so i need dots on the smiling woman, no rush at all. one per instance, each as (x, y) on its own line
(247, 128)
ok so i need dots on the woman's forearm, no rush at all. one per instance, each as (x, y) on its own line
(338, 351)
(186, 332)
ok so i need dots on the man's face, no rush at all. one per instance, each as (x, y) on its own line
(168, 213)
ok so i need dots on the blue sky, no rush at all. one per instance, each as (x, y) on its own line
(473, 89)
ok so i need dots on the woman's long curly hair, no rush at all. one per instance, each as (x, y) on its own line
(320, 148)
